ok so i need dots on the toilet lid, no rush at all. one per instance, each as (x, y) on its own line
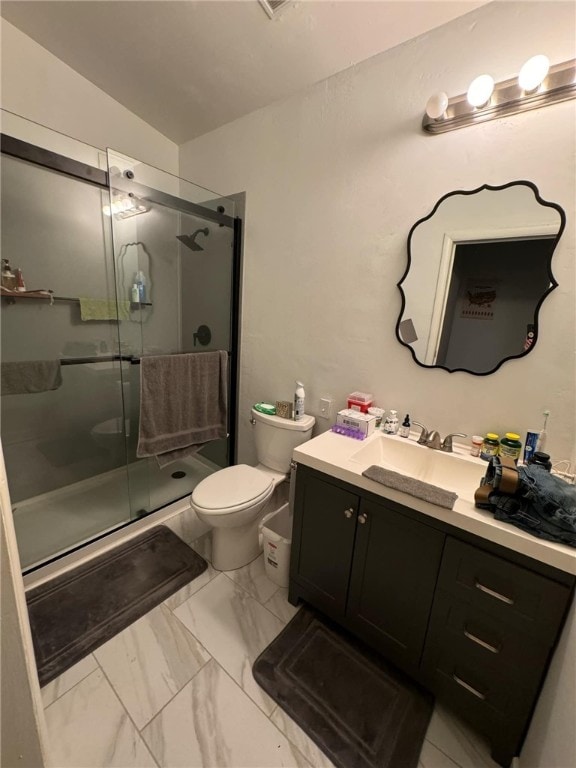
(231, 487)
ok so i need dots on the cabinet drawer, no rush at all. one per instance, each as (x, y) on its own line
(510, 593)
(488, 643)
(469, 680)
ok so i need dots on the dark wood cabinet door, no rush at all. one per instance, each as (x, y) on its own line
(396, 563)
(324, 528)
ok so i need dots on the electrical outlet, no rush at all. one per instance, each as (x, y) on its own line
(325, 407)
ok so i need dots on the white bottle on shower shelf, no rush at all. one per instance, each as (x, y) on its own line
(140, 281)
(299, 397)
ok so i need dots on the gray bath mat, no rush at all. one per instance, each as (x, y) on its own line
(361, 711)
(75, 613)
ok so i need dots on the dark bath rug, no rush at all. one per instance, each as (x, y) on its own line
(75, 613)
(360, 710)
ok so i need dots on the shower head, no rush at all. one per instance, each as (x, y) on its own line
(190, 240)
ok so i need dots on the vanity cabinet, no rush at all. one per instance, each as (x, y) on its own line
(364, 563)
(474, 623)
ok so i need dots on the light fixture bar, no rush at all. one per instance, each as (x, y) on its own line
(508, 98)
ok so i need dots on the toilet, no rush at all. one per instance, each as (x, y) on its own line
(231, 500)
(109, 435)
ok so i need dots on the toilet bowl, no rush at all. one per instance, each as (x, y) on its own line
(109, 434)
(233, 500)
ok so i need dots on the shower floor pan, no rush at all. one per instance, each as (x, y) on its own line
(52, 524)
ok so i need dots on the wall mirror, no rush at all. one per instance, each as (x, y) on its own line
(479, 268)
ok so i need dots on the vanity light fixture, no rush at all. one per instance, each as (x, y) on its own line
(125, 206)
(436, 105)
(480, 91)
(533, 73)
(537, 85)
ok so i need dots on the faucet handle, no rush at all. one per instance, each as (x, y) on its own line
(424, 434)
(447, 442)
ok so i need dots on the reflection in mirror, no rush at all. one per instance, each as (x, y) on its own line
(479, 267)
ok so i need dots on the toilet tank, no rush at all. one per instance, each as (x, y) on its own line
(276, 438)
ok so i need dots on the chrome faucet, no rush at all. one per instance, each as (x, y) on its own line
(447, 442)
(423, 435)
(432, 439)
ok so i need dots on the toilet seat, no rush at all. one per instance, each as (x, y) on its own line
(231, 490)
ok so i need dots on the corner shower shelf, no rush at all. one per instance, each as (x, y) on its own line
(49, 296)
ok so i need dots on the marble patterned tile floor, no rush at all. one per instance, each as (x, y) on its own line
(175, 689)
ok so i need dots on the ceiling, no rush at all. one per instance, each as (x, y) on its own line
(187, 67)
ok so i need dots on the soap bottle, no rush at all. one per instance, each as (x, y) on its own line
(391, 423)
(135, 294)
(404, 430)
(8, 277)
(299, 396)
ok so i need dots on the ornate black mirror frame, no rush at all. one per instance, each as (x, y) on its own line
(552, 285)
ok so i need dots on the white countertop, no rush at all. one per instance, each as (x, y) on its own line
(331, 453)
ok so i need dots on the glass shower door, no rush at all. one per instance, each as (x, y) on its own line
(174, 259)
(61, 405)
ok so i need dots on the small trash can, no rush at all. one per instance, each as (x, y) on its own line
(275, 532)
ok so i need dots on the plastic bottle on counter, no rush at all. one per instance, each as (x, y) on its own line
(490, 446)
(476, 445)
(378, 414)
(511, 446)
(404, 430)
(391, 424)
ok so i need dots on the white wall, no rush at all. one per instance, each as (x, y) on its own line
(335, 178)
(40, 87)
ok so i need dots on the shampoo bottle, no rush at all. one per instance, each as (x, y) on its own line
(299, 396)
(141, 283)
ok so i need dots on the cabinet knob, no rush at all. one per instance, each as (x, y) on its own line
(349, 512)
(362, 518)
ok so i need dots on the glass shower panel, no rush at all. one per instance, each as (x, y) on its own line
(173, 247)
(64, 439)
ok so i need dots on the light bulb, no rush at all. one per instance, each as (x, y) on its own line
(480, 90)
(533, 72)
(436, 105)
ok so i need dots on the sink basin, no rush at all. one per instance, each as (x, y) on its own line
(451, 471)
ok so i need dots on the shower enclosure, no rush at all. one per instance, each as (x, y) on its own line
(119, 260)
